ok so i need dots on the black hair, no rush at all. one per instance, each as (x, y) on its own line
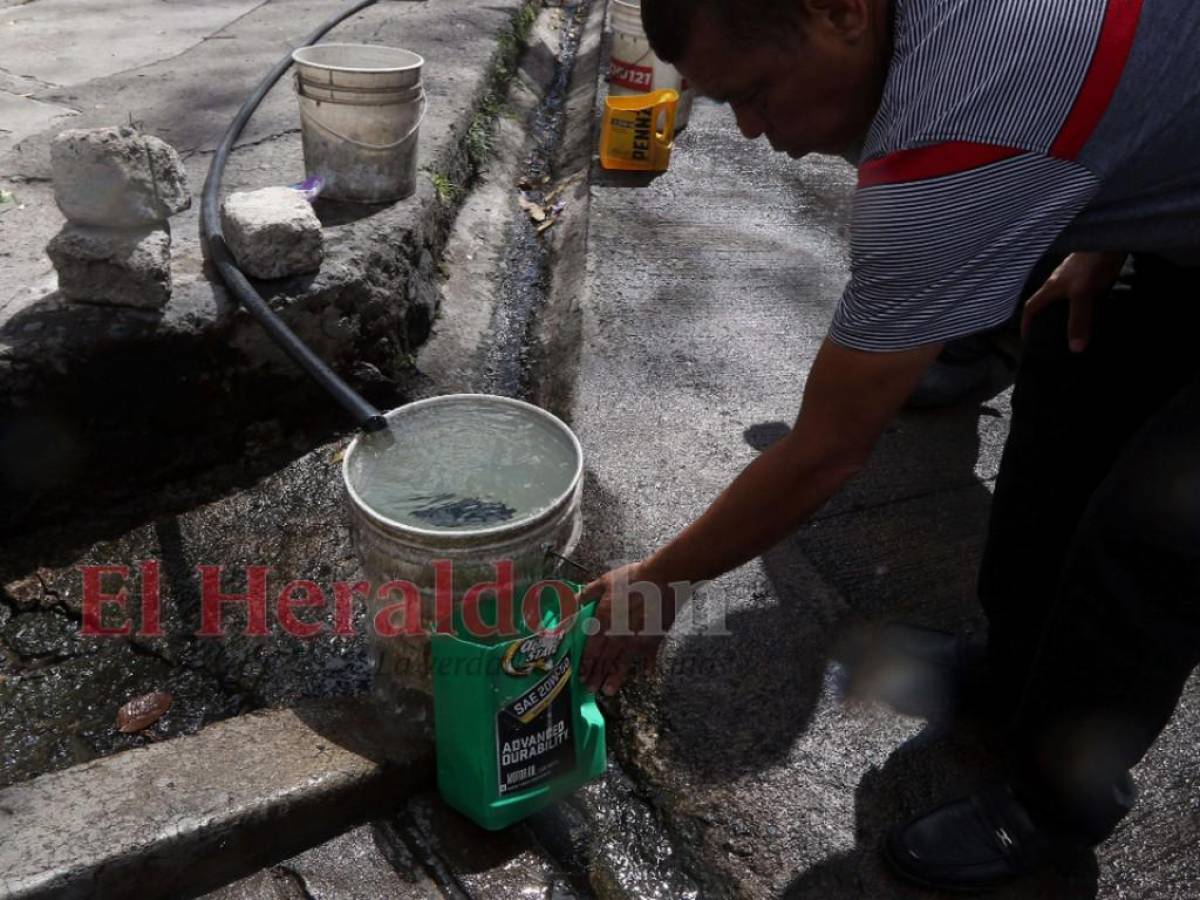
(668, 23)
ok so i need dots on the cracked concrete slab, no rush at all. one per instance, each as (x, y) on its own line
(64, 42)
(484, 865)
(176, 100)
(23, 116)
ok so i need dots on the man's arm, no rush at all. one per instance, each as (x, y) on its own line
(850, 398)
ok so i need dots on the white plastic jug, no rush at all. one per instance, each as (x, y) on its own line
(633, 67)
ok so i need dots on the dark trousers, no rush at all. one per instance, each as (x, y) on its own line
(1091, 574)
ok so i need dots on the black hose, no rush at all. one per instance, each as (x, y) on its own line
(366, 416)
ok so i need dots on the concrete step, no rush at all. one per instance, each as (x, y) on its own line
(184, 816)
(359, 863)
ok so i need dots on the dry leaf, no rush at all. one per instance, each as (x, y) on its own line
(535, 211)
(142, 712)
(545, 225)
(562, 186)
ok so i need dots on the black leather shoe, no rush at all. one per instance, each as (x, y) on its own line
(926, 673)
(981, 842)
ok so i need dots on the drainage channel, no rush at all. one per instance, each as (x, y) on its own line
(525, 275)
(607, 837)
(612, 843)
(604, 841)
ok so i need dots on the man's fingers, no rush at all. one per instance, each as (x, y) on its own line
(604, 661)
(616, 674)
(1045, 295)
(588, 670)
(1079, 323)
(592, 590)
(595, 655)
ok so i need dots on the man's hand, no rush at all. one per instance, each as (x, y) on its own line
(1082, 279)
(850, 398)
(630, 599)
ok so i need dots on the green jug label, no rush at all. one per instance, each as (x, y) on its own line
(533, 733)
(535, 652)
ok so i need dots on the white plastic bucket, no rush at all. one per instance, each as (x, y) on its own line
(361, 106)
(389, 549)
(633, 67)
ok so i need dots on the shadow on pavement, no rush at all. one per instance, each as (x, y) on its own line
(774, 658)
(613, 178)
(736, 703)
(923, 772)
(336, 212)
(770, 671)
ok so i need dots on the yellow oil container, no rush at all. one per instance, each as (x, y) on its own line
(638, 131)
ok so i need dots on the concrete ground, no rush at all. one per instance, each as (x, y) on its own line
(711, 288)
(681, 316)
(181, 75)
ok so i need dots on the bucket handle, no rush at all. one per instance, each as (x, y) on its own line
(558, 559)
(365, 146)
(411, 92)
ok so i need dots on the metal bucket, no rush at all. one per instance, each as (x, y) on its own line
(361, 108)
(391, 550)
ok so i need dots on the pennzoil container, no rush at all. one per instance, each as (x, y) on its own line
(638, 131)
(515, 727)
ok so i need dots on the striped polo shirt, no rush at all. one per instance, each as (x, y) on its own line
(1009, 128)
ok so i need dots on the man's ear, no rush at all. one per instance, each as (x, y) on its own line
(844, 19)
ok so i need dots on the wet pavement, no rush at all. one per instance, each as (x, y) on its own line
(738, 770)
(711, 288)
(59, 691)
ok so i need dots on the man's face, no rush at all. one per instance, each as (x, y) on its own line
(811, 91)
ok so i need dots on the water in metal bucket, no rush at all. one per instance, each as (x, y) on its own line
(469, 480)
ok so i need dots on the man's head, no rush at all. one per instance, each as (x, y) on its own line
(806, 73)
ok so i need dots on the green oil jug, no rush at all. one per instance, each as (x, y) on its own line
(515, 727)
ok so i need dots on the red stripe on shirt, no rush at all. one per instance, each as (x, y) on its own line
(931, 162)
(1108, 62)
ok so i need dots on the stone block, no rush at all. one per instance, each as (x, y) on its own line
(117, 178)
(273, 232)
(118, 267)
